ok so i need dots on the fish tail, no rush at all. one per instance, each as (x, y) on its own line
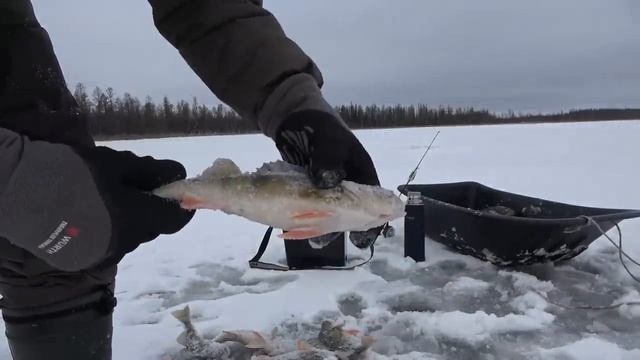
(183, 315)
(172, 191)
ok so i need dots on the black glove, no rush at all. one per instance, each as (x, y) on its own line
(124, 182)
(331, 153)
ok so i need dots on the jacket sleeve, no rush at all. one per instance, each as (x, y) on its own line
(49, 203)
(239, 50)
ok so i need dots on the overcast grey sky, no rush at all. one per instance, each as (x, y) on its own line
(497, 54)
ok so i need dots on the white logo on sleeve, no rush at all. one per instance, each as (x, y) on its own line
(60, 237)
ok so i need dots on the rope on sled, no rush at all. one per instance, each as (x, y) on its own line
(586, 307)
(619, 246)
(621, 253)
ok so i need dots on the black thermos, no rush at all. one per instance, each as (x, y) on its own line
(414, 241)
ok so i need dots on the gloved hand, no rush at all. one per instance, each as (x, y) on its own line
(124, 182)
(330, 152)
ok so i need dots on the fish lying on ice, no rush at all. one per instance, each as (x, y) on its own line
(228, 345)
(345, 344)
(308, 354)
(194, 344)
(332, 342)
(281, 195)
(250, 339)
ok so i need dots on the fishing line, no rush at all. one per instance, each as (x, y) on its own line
(413, 174)
(586, 307)
(591, 221)
(255, 262)
(386, 229)
(352, 267)
(619, 245)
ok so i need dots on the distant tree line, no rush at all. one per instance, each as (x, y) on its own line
(112, 116)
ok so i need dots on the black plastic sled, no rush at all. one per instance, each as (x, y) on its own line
(509, 229)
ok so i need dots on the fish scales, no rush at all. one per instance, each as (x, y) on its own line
(286, 199)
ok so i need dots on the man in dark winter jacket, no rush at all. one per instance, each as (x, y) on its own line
(70, 210)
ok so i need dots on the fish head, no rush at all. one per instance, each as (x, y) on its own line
(330, 335)
(380, 205)
(326, 326)
(389, 206)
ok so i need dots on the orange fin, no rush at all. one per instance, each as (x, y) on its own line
(352, 332)
(302, 345)
(191, 202)
(300, 234)
(311, 215)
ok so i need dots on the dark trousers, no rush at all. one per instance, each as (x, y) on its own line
(81, 334)
(48, 314)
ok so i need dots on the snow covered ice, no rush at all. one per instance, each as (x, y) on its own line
(449, 307)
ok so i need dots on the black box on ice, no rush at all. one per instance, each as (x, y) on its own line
(300, 255)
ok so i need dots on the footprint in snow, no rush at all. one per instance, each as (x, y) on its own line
(215, 281)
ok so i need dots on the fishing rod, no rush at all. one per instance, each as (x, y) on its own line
(413, 174)
(388, 230)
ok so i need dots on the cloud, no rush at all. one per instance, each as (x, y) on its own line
(500, 54)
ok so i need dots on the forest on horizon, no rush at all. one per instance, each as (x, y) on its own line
(111, 116)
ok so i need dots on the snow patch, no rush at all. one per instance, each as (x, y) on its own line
(591, 348)
(466, 284)
(630, 311)
(451, 306)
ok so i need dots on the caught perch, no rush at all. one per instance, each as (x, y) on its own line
(281, 195)
(194, 343)
(332, 342)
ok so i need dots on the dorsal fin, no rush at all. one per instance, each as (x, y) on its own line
(221, 168)
(279, 167)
